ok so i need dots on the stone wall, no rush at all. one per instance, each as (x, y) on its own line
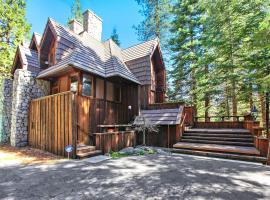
(25, 88)
(5, 109)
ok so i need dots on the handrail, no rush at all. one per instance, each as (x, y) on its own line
(182, 125)
(220, 117)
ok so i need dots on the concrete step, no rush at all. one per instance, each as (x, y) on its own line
(233, 139)
(89, 154)
(251, 151)
(250, 158)
(248, 144)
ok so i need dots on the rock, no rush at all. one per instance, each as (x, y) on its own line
(128, 150)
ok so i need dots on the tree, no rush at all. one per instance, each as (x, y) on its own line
(186, 47)
(76, 12)
(115, 36)
(142, 125)
(13, 30)
(156, 21)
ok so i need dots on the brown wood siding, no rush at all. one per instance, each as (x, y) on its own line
(114, 141)
(51, 123)
(166, 137)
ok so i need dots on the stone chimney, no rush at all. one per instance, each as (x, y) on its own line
(92, 24)
(75, 26)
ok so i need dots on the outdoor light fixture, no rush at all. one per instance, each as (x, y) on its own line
(254, 112)
(129, 107)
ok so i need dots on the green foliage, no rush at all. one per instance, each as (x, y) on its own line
(76, 11)
(220, 53)
(13, 30)
(115, 36)
(156, 21)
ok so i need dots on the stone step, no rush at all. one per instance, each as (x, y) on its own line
(250, 158)
(81, 148)
(219, 135)
(89, 154)
(233, 139)
(251, 151)
(249, 144)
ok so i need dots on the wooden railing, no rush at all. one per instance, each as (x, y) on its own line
(221, 118)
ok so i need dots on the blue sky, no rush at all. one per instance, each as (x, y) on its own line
(122, 14)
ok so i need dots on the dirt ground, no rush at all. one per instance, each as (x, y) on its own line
(25, 155)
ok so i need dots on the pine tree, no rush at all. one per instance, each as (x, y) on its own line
(156, 21)
(76, 12)
(13, 30)
(186, 47)
(115, 36)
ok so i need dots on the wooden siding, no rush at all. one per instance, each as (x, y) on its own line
(114, 141)
(166, 137)
(52, 123)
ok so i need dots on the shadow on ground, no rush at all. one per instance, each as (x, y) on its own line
(145, 177)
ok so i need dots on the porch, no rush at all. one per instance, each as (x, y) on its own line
(66, 118)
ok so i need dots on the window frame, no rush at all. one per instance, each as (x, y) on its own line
(92, 85)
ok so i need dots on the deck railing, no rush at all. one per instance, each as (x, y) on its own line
(221, 118)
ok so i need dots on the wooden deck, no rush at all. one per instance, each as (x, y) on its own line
(218, 148)
(218, 130)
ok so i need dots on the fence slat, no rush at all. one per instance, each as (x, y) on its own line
(51, 123)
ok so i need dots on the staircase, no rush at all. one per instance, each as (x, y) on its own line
(223, 143)
(86, 151)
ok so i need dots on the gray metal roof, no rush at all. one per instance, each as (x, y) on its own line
(163, 116)
(101, 58)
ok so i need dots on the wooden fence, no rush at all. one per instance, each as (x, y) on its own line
(52, 124)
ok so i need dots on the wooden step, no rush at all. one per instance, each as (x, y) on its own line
(252, 151)
(219, 135)
(85, 148)
(89, 154)
(218, 131)
(234, 139)
(250, 158)
(249, 144)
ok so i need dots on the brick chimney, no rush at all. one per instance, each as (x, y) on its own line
(92, 24)
(75, 26)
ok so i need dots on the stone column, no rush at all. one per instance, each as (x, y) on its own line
(25, 88)
(5, 109)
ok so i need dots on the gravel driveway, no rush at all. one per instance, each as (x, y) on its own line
(142, 177)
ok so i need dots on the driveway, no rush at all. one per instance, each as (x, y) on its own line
(142, 177)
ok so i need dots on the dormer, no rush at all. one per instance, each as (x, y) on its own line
(35, 42)
(48, 47)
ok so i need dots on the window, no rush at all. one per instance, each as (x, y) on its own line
(74, 84)
(99, 88)
(86, 85)
(113, 92)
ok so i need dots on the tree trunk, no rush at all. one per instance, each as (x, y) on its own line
(250, 99)
(234, 99)
(263, 109)
(227, 100)
(206, 99)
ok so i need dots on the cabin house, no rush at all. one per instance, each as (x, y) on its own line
(108, 85)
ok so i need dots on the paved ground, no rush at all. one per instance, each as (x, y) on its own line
(145, 177)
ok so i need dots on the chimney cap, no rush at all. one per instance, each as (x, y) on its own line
(90, 11)
(74, 20)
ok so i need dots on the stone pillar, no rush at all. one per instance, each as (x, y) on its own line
(5, 109)
(25, 88)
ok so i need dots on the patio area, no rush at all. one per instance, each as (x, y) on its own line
(138, 177)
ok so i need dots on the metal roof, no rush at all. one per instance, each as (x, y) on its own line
(101, 58)
(163, 116)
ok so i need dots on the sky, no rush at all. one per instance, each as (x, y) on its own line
(122, 14)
